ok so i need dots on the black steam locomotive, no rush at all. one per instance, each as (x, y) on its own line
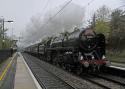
(81, 51)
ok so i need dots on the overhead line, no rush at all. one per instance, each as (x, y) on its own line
(45, 5)
(88, 3)
(120, 6)
(62, 8)
(58, 11)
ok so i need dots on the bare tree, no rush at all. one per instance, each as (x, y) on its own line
(103, 14)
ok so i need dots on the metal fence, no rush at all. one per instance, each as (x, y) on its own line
(5, 53)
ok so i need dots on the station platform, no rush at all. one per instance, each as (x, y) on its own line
(24, 78)
(120, 66)
(17, 75)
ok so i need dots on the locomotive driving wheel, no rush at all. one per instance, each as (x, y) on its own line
(54, 61)
(98, 68)
(94, 68)
(79, 70)
(69, 68)
(48, 58)
(64, 66)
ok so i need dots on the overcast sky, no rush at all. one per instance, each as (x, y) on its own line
(22, 10)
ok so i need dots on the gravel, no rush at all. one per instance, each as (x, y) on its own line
(70, 79)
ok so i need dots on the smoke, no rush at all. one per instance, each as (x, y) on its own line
(48, 25)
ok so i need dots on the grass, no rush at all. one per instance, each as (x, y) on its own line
(116, 56)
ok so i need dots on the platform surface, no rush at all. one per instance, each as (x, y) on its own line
(23, 79)
(118, 64)
(7, 73)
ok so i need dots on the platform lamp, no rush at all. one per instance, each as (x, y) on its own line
(3, 21)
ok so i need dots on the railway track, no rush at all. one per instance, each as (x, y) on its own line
(104, 81)
(70, 80)
(46, 79)
(115, 79)
(46, 72)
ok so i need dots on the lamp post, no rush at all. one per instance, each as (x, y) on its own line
(3, 21)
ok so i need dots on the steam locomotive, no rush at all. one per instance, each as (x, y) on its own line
(81, 51)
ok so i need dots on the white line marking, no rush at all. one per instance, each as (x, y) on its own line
(33, 77)
(118, 67)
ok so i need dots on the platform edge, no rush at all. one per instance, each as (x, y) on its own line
(33, 77)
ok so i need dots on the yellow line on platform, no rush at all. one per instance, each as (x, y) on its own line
(5, 70)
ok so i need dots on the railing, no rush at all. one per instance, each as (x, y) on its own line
(5, 53)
